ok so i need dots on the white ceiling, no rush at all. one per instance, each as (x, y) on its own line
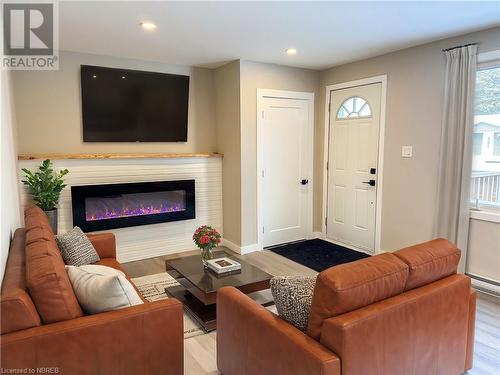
(211, 33)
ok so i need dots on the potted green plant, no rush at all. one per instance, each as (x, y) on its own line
(45, 186)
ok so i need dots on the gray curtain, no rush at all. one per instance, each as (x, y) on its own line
(452, 211)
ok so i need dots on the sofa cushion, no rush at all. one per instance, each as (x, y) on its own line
(293, 296)
(350, 286)
(40, 233)
(35, 217)
(113, 263)
(429, 261)
(48, 282)
(100, 288)
(17, 309)
(76, 248)
(37, 225)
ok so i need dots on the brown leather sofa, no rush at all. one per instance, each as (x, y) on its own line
(401, 313)
(43, 326)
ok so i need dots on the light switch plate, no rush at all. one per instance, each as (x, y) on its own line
(406, 151)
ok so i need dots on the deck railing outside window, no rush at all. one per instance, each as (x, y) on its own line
(485, 189)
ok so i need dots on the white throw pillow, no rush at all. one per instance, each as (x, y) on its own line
(100, 288)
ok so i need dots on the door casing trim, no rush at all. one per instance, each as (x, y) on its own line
(382, 79)
(285, 94)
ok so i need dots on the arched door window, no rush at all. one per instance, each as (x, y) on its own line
(355, 106)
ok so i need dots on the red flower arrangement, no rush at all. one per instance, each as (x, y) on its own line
(206, 237)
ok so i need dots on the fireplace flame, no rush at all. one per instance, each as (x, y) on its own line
(135, 211)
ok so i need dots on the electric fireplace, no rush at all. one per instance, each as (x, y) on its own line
(101, 207)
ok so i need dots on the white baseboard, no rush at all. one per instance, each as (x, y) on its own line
(319, 235)
(250, 248)
(240, 249)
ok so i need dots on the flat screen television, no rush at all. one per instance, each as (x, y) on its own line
(121, 105)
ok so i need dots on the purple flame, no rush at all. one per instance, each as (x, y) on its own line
(134, 211)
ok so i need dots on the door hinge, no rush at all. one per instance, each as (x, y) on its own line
(326, 221)
(327, 165)
(262, 229)
(263, 174)
(262, 114)
(329, 107)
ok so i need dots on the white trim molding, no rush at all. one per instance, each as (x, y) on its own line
(490, 216)
(240, 249)
(269, 93)
(486, 57)
(382, 79)
(484, 285)
(319, 235)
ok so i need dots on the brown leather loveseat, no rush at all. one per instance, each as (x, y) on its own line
(401, 313)
(44, 329)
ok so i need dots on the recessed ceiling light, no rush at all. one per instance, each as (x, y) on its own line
(94, 76)
(148, 25)
(123, 77)
(291, 51)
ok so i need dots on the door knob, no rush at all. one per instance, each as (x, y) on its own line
(371, 182)
(304, 182)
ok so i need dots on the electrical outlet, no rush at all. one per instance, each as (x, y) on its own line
(406, 151)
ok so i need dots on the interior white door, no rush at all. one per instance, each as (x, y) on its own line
(352, 165)
(286, 160)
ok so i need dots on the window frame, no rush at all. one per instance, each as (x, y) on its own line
(354, 117)
(485, 61)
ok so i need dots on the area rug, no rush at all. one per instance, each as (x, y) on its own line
(152, 287)
(318, 254)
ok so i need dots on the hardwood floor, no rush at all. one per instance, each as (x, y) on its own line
(487, 339)
(199, 352)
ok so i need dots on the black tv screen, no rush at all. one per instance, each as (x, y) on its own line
(133, 106)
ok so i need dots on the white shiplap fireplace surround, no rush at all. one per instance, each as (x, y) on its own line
(146, 241)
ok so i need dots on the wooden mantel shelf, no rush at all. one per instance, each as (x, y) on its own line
(116, 156)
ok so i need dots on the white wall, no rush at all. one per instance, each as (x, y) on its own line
(10, 217)
(146, 241)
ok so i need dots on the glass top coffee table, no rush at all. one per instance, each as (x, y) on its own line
(198, 289)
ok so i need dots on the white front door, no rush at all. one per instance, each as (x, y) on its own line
(352, 165)
(285, 148)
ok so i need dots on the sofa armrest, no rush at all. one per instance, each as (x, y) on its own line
(471, 329)
(142, 339)
(104, 243)
(253, 340)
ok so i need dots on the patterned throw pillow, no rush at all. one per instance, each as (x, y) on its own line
(76, 248)
(293, 297)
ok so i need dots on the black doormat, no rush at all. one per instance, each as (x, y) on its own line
(318, 254)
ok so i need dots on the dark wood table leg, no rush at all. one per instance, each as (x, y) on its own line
(205, 315)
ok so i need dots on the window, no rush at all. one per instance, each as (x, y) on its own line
(477, 143)
(485, 183)
(355, 106)
(496, 144)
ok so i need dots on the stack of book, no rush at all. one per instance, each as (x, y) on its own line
(223, 265)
